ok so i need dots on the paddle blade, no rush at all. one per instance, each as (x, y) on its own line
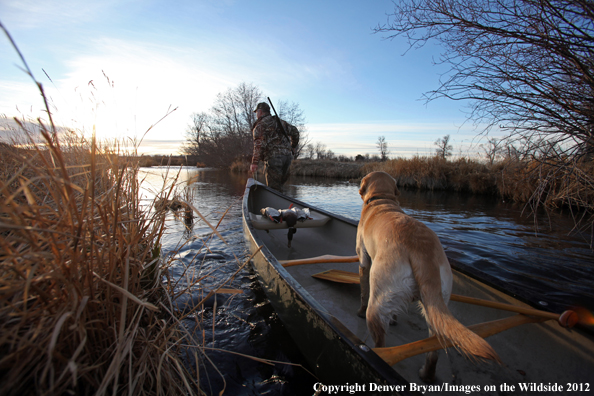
(338, 276)
(393, 355)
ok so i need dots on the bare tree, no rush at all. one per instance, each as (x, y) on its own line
(320, 149)
(224, 134)
(382, 146)
(525, 65)
(309, 151)
(233, 111)
(194, 134)
(444, 148)
(492, 149)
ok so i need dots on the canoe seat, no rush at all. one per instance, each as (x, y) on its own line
(262, 223)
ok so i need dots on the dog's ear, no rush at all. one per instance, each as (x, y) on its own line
(363, 188)
(396, 191)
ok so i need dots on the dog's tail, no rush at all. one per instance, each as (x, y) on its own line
(446, 327)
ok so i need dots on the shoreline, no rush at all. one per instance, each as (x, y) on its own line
(529, 181)
(510, 179)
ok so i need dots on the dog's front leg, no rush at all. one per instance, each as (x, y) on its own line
(365, 261)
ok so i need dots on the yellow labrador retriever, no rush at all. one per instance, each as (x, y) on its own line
(402, 261)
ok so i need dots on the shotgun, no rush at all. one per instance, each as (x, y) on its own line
(278, 121)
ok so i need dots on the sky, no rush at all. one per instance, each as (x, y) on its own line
(138, 69)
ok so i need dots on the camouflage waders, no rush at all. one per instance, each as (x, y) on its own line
(276, 171)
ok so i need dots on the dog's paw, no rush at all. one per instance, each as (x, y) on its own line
(362, 312)
(426, 375)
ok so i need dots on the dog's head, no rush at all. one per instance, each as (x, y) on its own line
(378, 185)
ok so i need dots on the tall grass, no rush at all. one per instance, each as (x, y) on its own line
(326, 168)
(518, 180)
(537, 182)
(83, 308)
(240, 165)
(87, 302)
(436, 173)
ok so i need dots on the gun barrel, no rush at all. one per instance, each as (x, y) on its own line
(279, 120)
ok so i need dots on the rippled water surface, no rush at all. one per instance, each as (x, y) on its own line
(484, 232)
(478, 231)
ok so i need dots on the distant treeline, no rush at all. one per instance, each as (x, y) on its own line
(520, 180)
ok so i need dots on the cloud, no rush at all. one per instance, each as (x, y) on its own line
(405, 138)
(19, 97)
(121, 74)
(160, 147)
(123, 86)
(31, 14)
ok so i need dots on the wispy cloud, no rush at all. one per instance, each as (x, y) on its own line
(120, 65)
(28, 14)
(123, 86)
(405, 138)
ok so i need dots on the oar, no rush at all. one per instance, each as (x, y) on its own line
(328, 258)
(338, 276)
(566, 319)
(393, 355)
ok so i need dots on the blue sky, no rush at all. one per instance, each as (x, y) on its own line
(120, 66)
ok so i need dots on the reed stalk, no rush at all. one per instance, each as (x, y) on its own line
(539, 183)
(85, 305)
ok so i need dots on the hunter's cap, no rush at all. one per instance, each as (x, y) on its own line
(264, 106)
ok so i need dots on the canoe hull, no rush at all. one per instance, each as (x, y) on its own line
(333, 352)
(320, 316)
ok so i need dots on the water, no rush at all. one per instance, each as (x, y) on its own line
(482, 232)
(243, 323)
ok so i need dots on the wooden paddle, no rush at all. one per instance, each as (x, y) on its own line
(328, 258)
(566, 319)
(393, 355)
(338, 276)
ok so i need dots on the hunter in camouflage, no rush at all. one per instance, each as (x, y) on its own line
(272, 146)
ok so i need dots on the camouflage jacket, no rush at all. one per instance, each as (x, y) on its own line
(270, 142)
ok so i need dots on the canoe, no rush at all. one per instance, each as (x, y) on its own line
(319, 313)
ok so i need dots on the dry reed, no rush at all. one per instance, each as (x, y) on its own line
(326, 168)
(547, 183)
(87, 304)
(436, 173)
(83, 305)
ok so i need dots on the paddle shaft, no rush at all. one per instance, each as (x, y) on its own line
(393, 355)
(565, 319)
(328, 258)
(504, 306)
